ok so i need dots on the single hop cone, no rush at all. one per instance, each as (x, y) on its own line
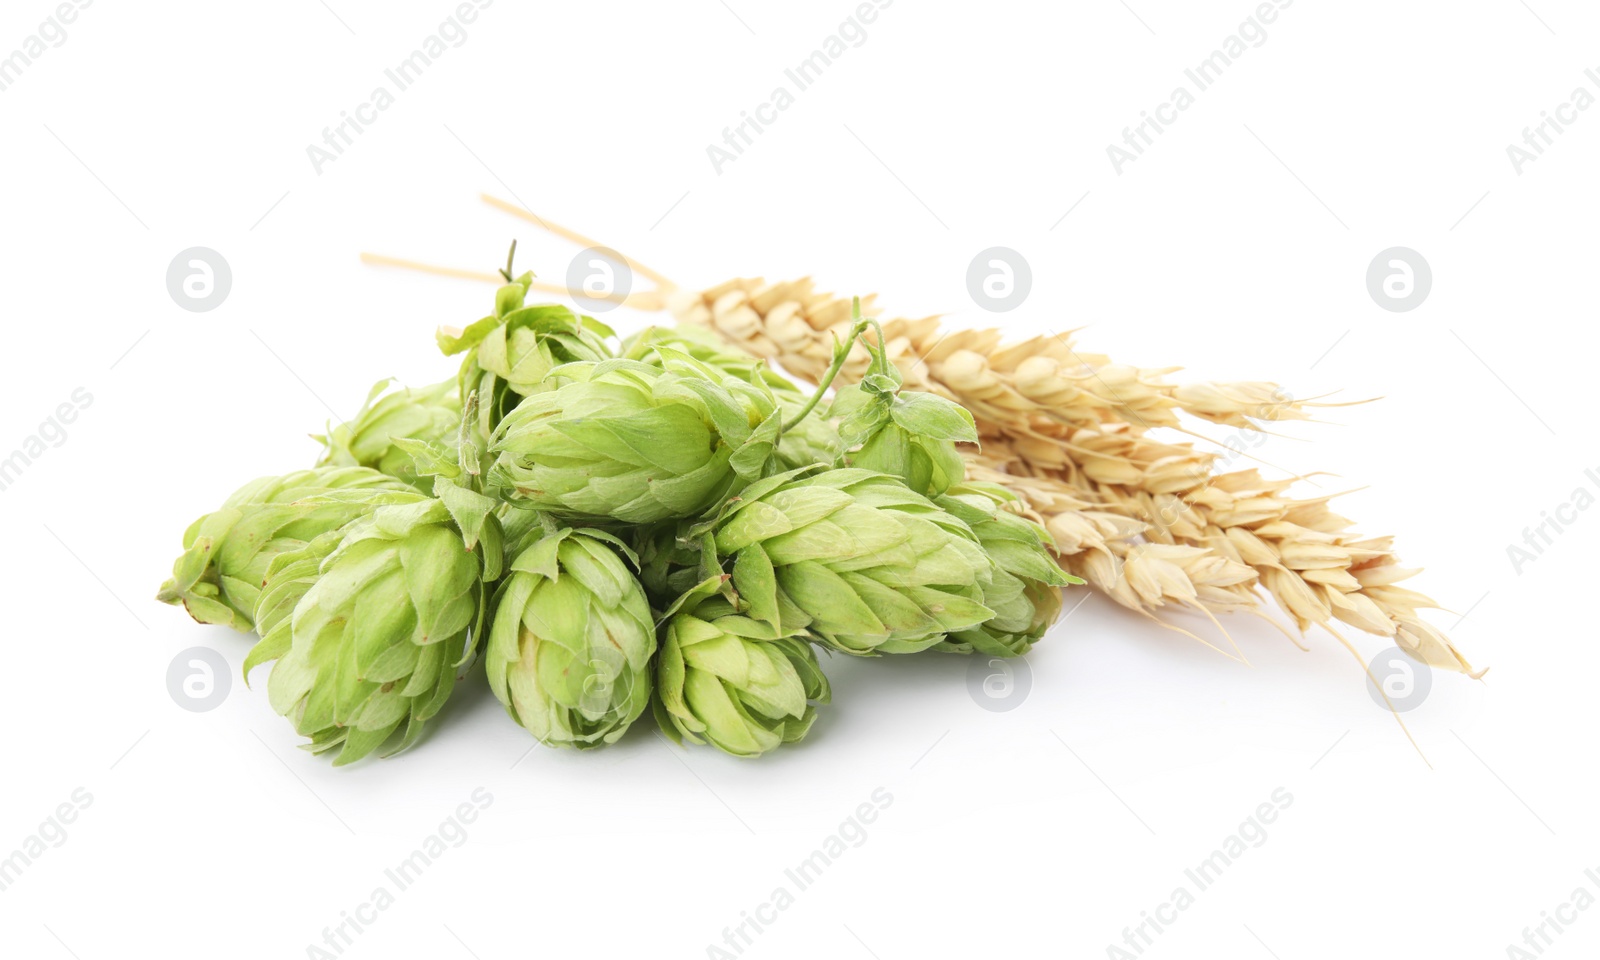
(377, 636)
(509, 352)
(733, 682)
(812, 440)
(226, 553)
(857, 558)
(570, 645)
(430, 413)
(625, 441)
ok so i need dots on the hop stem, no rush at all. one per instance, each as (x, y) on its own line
(510, 258)
(841, 353)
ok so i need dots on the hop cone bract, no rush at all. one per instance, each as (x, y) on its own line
(289, 576)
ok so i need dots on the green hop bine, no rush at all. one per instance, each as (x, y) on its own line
(430, 413)
(376, 633)
(865, 563)
(570, 645)
(226, 553)
(731, 681)
(509, 352)
(631, 442)
(804, 441)
(907, 434)
(1025, 590)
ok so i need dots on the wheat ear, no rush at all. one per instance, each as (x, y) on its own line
(1147, 522)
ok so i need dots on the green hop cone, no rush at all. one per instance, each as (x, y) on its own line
(731, 681)
(1025, 590)
(858, 558)
(626, 441)
(379, 630)
(509, 352)
(425, 413)
(570, 646)
(910, 435)
(706, 347)
(812, 440)
(226, 553)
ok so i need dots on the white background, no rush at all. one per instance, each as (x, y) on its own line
(1237, 247)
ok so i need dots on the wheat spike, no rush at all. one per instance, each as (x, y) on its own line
(1149, 523)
